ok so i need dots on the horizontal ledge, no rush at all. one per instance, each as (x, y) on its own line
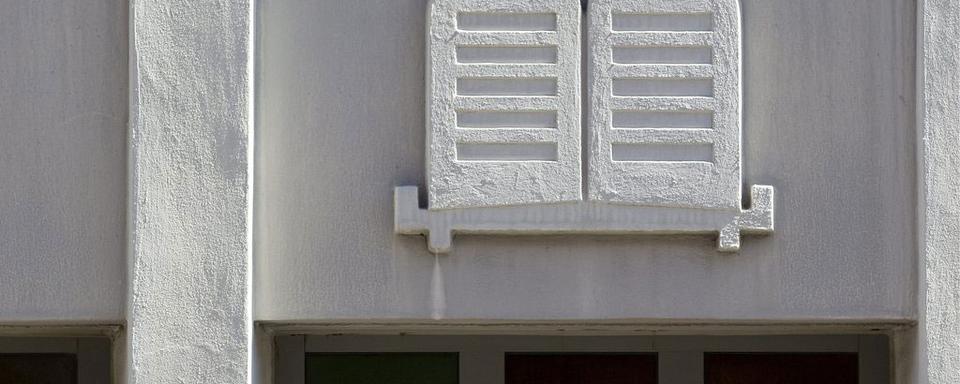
(60, 328)
(661, 70)
(585, 327)
(507, 70)
(661, 136)
(662, 103)
(503, 104)
(581, 217)
(670, 39)
(506, 135)
(533, 39)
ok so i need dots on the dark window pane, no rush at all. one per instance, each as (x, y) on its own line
(585, 368)
(382, 368)
(46, 368)
(780, 368)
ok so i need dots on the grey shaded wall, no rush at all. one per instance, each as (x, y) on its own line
(829, 122)
(63, 103)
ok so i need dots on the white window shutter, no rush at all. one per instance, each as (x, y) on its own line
(665, 103)
(503, 103)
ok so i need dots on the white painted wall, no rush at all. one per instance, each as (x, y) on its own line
(828, 121)
(63, 173)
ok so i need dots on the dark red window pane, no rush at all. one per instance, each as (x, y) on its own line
(46, 368)
(780, 368)
(592, 368)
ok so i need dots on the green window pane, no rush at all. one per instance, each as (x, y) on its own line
(382, 368)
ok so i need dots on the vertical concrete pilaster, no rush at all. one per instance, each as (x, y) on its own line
(936, 357)
(189, 312)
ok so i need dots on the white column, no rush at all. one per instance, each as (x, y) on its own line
(937, 358)
(189, 300)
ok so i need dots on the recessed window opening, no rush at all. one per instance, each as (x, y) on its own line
(500, 359)
(55, 360)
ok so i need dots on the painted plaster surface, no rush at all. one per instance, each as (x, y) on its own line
(828, 96)
(938, 360)
(63, 102)
(188, 314)
(496, 136)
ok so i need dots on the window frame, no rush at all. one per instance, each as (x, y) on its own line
(680, 358)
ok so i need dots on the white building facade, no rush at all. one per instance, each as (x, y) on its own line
(240, 192)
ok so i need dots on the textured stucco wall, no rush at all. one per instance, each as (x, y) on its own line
(63, 114)
(938, 336)
(828, 121)
(188, 312)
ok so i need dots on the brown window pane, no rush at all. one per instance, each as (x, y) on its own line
(780, 368)
(586, 368)
(46, 368)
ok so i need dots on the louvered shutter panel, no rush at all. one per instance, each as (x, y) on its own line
(503, 103)
(665, 103)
